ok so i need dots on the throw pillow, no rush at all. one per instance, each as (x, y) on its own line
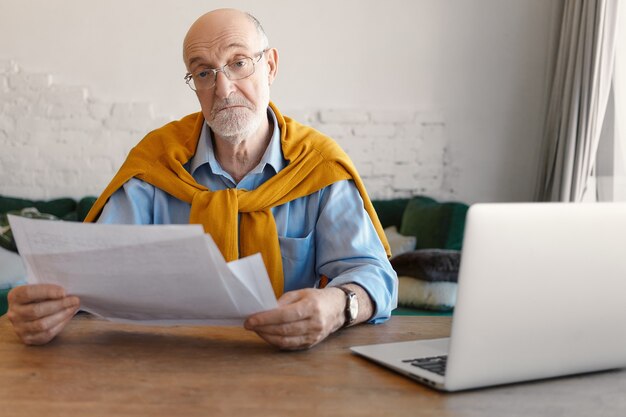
(398, 243)
(83, 207)
(435, 225)
(390, 211)
(6, 237)
(415, 293)
(427, 278)
(433, 265)
(59, 207)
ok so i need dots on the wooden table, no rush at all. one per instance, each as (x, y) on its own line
(98, 368)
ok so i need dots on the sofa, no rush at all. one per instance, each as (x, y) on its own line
(11, 270)
(425, 235)
(426, 238)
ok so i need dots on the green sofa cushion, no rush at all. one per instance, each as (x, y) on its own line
(59, 207)
(390, 211)
(435, 225)
(7, 241)
(83, 207)
(64, 208)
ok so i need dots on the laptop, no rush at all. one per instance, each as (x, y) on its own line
(541, 294)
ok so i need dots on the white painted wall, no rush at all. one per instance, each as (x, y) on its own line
(482, 63)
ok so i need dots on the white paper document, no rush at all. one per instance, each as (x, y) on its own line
(162, 275)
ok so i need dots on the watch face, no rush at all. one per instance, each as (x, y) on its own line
(353, 307)
(354, 311)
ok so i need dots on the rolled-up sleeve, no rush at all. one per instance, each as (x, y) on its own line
(348, 249)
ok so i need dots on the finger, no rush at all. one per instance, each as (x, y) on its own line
(291, 342)
(59, 327)
(280, 315)
(48, 322)
(296, 328)
(290, 297)
(43, 330)
(34, 311)
(25, 294)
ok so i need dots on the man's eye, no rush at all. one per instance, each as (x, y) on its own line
(202, 74)
(239, 64)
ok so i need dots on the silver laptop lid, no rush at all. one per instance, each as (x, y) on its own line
(542, 293)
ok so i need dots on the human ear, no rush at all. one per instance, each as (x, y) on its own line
(272, 63)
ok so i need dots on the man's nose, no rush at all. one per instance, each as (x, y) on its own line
(223, 86)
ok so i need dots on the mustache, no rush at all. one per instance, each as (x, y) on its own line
(233, 100)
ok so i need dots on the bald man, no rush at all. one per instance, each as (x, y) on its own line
(257, 181)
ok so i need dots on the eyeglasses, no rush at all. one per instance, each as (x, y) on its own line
(235, 70)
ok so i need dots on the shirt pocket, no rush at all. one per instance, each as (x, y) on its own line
(298, 256)
(296, 248)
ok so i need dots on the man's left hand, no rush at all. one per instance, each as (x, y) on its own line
(303, 318)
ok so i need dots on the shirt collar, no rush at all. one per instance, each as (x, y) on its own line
(205, 154)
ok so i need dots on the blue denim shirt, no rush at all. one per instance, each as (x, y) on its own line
(325, 233)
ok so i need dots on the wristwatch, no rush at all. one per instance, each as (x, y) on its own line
(352, 306)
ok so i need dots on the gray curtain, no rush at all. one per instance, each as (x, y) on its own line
(578, 99)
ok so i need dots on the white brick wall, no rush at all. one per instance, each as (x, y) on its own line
(57, 141)
(399, 153)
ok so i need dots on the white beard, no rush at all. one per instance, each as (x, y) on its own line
(235, 125)
(238, 123)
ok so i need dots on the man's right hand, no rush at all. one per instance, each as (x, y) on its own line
(39, 312)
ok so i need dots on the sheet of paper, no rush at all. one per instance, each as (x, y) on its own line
(165, 275)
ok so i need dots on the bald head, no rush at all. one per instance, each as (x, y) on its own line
(222, 28)
(231, 47)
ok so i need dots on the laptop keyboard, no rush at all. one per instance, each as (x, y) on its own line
(436, 364)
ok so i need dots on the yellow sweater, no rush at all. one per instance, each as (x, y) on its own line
(315, 161)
